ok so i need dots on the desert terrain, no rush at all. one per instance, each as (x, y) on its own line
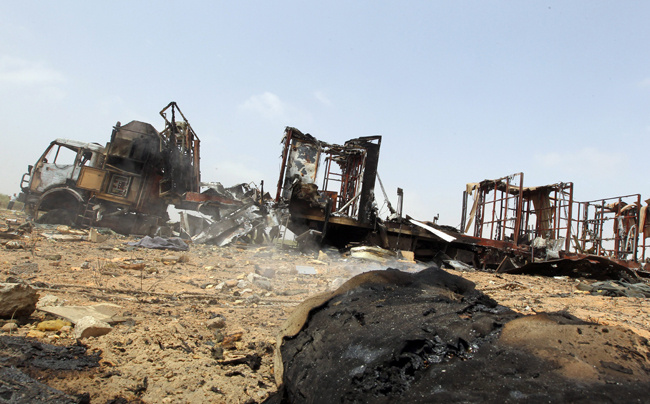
(200, 325)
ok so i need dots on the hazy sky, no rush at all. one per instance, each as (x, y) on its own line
(460, 91)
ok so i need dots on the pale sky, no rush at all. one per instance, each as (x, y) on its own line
(460, 91)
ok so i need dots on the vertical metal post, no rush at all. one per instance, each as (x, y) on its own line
(400, 201)
(283, 166)
(520, 206)
(569, 218)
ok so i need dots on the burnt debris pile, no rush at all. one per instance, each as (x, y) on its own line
(391, 336)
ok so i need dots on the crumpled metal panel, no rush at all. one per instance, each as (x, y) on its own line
(233, 226)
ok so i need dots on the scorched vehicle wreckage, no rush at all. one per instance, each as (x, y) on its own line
(128, 184)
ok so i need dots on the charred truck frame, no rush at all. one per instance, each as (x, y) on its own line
(508, 225)
(125, 185)
(344, 212)
(128, 184)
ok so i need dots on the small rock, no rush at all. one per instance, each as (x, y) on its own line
(49, 300)
(322, 256)
(52, 257)
(231, 283)
(95, 237)
(229, 340)
(170, 259)
(265, 272)
(85, 265)
(25, 268)
(253, 299)
(242, 284)
(52, 325)
(35, 334)
(14, 245)
(263, 283)
(91, 327)
(217, 352)
(293, 292)
(336, 283)
(216, 323)
(66, 329)
(10, 327)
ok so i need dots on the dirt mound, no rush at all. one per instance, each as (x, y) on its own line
(432, 337)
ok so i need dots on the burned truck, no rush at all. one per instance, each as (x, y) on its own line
(506, 228)
(343, 211)
(125, 185)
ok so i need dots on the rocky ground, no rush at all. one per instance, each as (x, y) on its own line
(200, 326)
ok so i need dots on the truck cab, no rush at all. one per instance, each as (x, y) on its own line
(51, 184)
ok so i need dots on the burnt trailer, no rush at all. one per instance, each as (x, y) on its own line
(125, 185)
(507, 225)
(343, 210)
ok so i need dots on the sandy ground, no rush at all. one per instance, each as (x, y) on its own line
(163, 351)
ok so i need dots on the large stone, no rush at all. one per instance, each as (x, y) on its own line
(17, 300)
(91, 327)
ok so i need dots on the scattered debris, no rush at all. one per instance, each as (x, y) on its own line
(253, 361)
(592, 267)
(160, 243)
(617, 288)
(372, 253)
(305, 270)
